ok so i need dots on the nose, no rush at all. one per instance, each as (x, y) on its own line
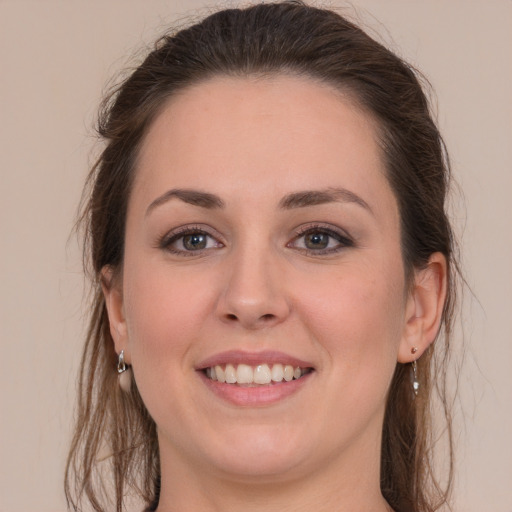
(254, 295)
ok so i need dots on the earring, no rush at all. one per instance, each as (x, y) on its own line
(124, 373)
(415, 383)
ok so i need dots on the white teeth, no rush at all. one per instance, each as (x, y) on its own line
(221, 375)
(288, 373)
(244, 374)
(260, 374)
(230, 374)
(277, 373)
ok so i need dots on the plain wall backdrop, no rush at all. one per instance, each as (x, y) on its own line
(55, 58)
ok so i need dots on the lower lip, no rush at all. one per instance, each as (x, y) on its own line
(255, 396)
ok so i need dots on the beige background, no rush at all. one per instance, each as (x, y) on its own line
(55, 57)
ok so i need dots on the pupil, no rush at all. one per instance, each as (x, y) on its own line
(194, 242)
(317, 241)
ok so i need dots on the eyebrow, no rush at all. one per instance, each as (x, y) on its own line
(317, 197)
(300, 199)
(194, 197)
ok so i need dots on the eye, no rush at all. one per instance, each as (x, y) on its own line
(194, 241)
(320, 240)
(189, 240)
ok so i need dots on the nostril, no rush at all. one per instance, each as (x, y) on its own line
(264, 318)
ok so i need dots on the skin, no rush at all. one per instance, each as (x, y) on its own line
(257, 286)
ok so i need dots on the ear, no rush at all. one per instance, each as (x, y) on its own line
(424, 309)
(113, 293)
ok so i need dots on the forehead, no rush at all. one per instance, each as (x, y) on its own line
(251, 136)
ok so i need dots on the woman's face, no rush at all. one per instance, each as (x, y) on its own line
(262, 236)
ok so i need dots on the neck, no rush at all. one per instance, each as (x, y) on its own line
(335, 487)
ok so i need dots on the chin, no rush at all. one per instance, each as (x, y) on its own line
(271, 451)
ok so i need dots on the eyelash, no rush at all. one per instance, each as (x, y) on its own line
(344, 241)
(166, 243)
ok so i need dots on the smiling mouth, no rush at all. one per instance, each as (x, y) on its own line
(258, 375)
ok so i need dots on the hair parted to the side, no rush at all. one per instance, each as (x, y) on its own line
(115, 436)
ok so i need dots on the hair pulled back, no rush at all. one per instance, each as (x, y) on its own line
(115, 436)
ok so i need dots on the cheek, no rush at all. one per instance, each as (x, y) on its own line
(357, 317)
(165, 319)
(357, 322)
(164, 313)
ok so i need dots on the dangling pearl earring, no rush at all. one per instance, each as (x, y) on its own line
(124, 373)
(415, 383)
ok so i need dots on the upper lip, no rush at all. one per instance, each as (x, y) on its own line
(252, 358)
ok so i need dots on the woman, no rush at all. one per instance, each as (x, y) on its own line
(272, 263)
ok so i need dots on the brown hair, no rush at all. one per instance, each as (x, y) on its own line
(265, 39)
